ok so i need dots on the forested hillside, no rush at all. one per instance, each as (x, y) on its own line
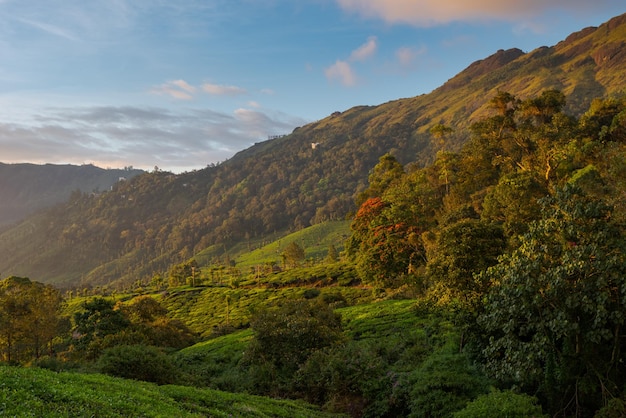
(491, 282)
(27, 188)
(158, 219)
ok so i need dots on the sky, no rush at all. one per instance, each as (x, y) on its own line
(182, 84)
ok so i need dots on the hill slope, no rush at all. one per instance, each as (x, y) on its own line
(26, 188)
(37, 392)
(145, 225)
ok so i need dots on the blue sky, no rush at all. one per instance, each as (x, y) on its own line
(182, 84)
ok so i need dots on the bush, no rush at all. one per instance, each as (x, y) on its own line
(51, 363)
(444, 384)
(137, 362)
(311, 293)
(285, 337)
(356, 379)
(615, 408)
(502, 404)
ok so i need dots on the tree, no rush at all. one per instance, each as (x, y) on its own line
(540, 110)
(97, 320)
(179, 274)
(555, 314)
(285, 337)
(384, 245)
(332, 256)
(29, 318)
(514, 202)
(45, 320)
(439, 133)
(462, 250)
(293, 254)
(151, 326)
(497, 404)
(383, 175)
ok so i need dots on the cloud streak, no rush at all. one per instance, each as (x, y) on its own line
(434, 12)
(221, 90)
(111, 136)
(342, 70)
(177, 89)
(366, 50)
(181, 90)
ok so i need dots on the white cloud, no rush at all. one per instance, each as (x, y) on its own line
(342, 71)
(178, 89)
(366, 50)
(113, 136)
(432, 12)
(221, 90)
(182, 84)
(181, 90)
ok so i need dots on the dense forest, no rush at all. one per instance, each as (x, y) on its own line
(491, 280)
(27, 188)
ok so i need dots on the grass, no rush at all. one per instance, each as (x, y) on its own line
(32, 392)
(204, 309)
(380, 319)
(315, 240)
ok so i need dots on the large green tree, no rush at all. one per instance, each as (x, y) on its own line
(556, 311)
(383, 246)
(514, 202)
(462, 250)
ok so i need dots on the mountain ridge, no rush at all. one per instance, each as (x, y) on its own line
(27, 188)
(155, 220)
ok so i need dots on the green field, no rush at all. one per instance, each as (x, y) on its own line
(32, 392)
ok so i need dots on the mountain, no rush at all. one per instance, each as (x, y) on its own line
(154, 220)
(26, 188)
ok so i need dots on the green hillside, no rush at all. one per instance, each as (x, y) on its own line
(155, 220)
(27, 392)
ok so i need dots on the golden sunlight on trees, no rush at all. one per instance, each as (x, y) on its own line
(29, 318)
(293, 254)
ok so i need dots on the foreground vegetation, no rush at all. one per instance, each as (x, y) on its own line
(35, 392)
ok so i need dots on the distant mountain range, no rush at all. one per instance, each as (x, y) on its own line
(26, 188)
(146, 224)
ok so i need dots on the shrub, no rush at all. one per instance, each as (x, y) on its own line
(345, 378)
(137, 362)
(502, 404)
(444, 384)
(285, 337)
(615, 408)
